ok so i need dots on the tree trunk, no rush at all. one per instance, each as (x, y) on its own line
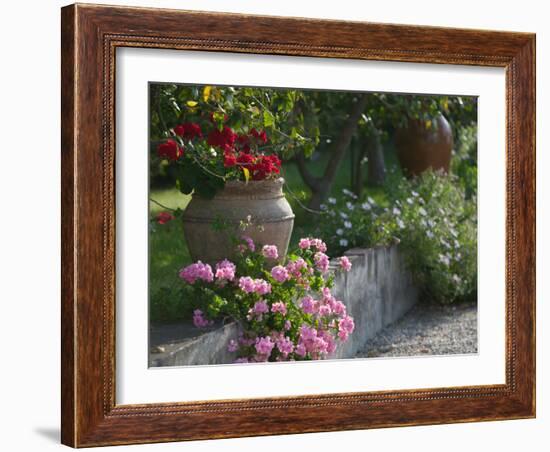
(320, 187)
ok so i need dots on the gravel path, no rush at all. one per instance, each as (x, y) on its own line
(427, 330)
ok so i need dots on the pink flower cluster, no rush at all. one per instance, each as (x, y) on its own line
(308, 242)
(279, 306)
(295, 268)
(317, 342)
(249, 243)
(270, 251)
(225, 270)
(195, 271)
(260, 307)
(321, 261)
(346, 325)
(308, 304)
(199, 320)
(287, 311)
(345, 263)
(249, 285)
(280, 273)
(336, 306)
(264, 345)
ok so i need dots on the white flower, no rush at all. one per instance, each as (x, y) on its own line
(453, 232)
(350, 206)
(344, 215)
(423, 211)
(366, 206)
(349, 193)
(331, 200)
(431, 223)
(457, 279)
(410, 201)
(339, 231)
(400, 223)
(371, 201)
(347, 224)
(213, 152)
(423, 222)
(343, 242)
(323, 207)
(430, 234)
(396, 211)
(444, 259)
(415, 194)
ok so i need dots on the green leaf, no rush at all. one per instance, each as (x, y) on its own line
(269, 119)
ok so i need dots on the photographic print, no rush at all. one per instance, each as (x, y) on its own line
(298, 225)
(262, 200)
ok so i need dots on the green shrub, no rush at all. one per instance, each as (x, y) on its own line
(431, 218)
(437, 228)
(348, 222)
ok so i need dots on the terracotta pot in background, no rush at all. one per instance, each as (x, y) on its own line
(419, 147)
(263, 201)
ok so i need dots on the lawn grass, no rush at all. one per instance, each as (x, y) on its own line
(168, 251)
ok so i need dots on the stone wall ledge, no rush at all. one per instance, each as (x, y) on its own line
(377, 291)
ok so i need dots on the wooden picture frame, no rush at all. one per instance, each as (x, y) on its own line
(90, 36)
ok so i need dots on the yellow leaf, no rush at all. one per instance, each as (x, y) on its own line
(206, 93)
(246, 174)
(192, 103)
(428, 124)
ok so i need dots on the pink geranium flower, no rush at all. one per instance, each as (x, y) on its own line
(280, 273)
(249, 243)
(345, 263)
(279, 307)
(264, 345)
(225, 270)
(270, 251)
(196, 271)
(321, 261)
(199, 320)
(308, 305)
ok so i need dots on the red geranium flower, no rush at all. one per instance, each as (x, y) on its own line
(244, 142)
(170, 150)
(188, 130)
(164, 217)
(229, 159)
(245, 159)
(260, 136)
(266, 165)
(222, 138)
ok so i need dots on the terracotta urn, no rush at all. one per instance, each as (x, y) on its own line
(420, 147)
(210, 225)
